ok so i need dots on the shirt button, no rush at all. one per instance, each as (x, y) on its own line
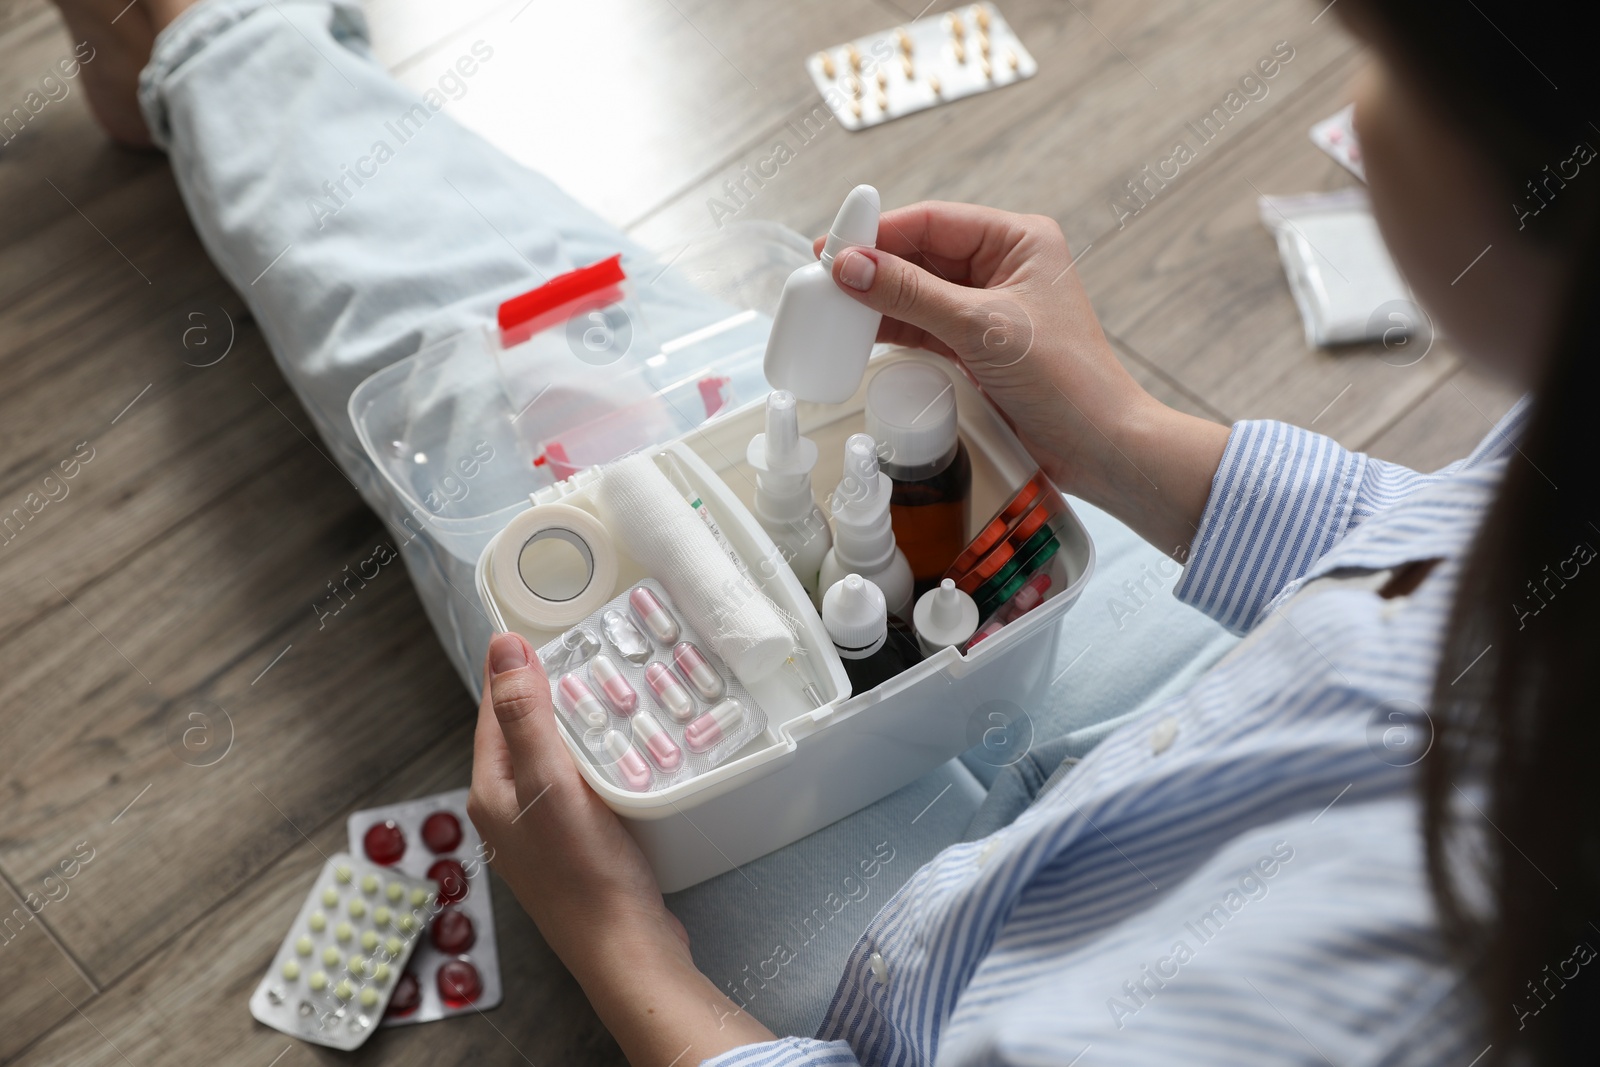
(880, 969)
(987, 851)
(1391, 608)
(1163, 735)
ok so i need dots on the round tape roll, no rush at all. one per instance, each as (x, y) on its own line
(553, 566)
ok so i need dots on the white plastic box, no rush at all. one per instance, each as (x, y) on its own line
(428, 423)
(810, 767)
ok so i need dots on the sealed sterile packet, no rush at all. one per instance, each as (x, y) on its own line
(1343, 280)
(645, 695)
(455, 969)
(339, 964)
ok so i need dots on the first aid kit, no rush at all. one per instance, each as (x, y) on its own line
(616, 528)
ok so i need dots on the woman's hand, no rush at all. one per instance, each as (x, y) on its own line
(532, 807)
(1000, 293)
(582, 878)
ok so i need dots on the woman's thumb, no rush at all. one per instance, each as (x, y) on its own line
(904, 291)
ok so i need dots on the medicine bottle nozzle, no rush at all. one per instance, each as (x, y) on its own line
(855, 224)
(783, 426)
(781, 450)
(944, 616)
(860, 484)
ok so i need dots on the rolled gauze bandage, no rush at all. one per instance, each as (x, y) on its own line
(661, 531)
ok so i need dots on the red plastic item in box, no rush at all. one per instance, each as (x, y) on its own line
(560, 298)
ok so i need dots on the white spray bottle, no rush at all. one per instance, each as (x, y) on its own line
(821, 337)
(863, 538)
(784, 505)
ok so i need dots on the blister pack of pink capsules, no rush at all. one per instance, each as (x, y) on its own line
(456, 967)
(649, 700)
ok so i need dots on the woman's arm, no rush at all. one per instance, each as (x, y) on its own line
(583, 880)
(999, 293)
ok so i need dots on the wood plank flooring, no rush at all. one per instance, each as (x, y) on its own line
(174, 576)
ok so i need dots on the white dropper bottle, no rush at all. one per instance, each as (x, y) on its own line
(863, 539)
(821, 337)
(944, 616)
(784, 505)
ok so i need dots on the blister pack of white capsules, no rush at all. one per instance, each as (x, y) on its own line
(339, 965)
(456, 967)
(649, 700)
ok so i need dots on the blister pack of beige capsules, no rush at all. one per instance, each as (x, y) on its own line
(919, 65)
(338, 966)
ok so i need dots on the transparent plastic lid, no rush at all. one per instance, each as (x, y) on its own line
(617, 356)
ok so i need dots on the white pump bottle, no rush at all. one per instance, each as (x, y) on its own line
(863, 539)
(821, 337)
(784, 505)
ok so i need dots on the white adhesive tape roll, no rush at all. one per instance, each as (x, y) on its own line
(553, 566)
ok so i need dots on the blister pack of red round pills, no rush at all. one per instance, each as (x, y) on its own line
(455, 968)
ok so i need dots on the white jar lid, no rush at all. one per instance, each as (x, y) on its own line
(911, 413)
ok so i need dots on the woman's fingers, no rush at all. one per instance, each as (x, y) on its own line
(904, 291)
(946, 233)
(519, 697)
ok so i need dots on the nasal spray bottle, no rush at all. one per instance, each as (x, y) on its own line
(784, 505)
(863, 538)
(821, 337)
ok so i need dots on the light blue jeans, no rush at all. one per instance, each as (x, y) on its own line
(258, 105)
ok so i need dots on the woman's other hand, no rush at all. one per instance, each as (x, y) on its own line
(553, 840)
(581, 877)
(1000, 293)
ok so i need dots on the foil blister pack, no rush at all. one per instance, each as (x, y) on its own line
(339, 965)
(922, 64)
(455, 968)
(649, 701)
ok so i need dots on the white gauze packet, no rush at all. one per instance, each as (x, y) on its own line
(1344, 282)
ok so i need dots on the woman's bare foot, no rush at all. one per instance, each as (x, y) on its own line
(120, 34)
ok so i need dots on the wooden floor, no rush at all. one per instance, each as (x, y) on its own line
(168, 584)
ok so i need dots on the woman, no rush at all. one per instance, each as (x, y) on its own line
(1366, 835)
(1238, 876)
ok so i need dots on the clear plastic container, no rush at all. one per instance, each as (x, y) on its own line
(462, 432)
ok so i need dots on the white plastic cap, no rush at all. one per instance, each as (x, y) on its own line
(855, 616)
(781, 450)
(911, 409)
(944, 616)
(782, 460)
(858, 495)
(862, 530)
(855, 224)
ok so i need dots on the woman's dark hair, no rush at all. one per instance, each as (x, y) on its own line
(1516, 703)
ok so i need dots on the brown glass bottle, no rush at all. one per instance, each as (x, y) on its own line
(911, 414)
(929, 509)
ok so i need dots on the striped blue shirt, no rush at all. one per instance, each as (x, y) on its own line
(1236, 876)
